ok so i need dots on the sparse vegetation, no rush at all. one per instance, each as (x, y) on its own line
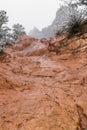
(74, 24)
(18, 30)
(82, 2)
(77, 15)
(5, 35)
(58, 32)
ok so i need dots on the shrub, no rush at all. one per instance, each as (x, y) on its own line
(77, 14)
(74, 25)
(18, 30)
(58, 32)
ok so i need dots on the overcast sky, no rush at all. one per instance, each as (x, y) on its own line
(30, 13)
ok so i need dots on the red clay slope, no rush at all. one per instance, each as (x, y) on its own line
(43, 84)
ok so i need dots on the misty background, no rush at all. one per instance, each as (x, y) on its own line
(30, 13)
(38, 19)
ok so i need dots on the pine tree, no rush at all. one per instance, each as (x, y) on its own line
(5, 35)
(18, 30)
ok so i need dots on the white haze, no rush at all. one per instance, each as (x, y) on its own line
(30, 13)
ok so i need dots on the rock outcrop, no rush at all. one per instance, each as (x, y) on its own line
(43, 84)
(58, 24)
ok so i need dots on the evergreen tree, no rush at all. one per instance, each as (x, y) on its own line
(18, 30)
(5, 35)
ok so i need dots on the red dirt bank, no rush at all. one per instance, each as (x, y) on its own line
(43, 85)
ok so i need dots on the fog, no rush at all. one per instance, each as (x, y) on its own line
(30, 13)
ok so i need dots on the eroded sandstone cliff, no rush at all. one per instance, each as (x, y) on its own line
(43, 84)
